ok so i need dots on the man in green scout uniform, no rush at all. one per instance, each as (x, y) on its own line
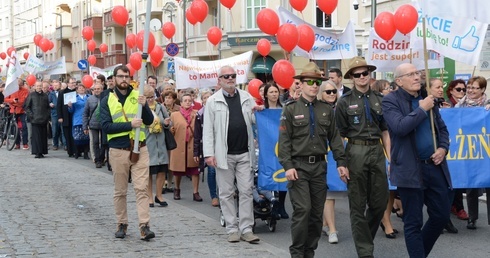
(306, 126)
(360, 119)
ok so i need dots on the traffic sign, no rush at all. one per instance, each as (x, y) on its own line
(82, 64)
(170, 66)
(172, 49)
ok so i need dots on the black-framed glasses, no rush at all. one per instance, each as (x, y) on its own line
(412, 74)
(227, 76)
(460, 89)
(358, 75)
(121, 76)
(334, 91)
(310, 82)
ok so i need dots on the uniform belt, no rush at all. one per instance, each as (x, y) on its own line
(427, 161)
(310, 159)
(142, 144)
(364, 142)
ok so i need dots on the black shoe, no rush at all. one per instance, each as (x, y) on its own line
(391, 235)
(109, 167)
(152, 205)
(163, 204)
(451, 228)
(283, 213)
(77, 156)
(146, 233)
(98, 165)
(471, 224)
(38, 156)
(121, 230)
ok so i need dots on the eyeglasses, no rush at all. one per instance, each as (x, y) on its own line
(150, 97)
(358, 75)
(120, 76)
(334, 91)
(472, 88)
(227, 76)
(412, 74)
(460, 89)
(311, 82)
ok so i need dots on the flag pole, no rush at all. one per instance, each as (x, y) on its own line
(142, 72)
(426, 64)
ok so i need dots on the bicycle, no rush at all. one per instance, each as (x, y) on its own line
(10, 131)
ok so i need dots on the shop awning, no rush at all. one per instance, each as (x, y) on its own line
(263, 65)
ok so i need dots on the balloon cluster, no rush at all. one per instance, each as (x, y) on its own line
(43, 43)
(404, 20)
(289, 36)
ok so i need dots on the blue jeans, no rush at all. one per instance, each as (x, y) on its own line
(435, 194)
(212, 182)
(23, 131)
(57, 132)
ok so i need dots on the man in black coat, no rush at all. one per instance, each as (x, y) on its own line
(64, 117)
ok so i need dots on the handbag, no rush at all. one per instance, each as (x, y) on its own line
(169, 140)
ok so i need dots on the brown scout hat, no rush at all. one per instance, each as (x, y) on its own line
(357, 62)
(312, 71)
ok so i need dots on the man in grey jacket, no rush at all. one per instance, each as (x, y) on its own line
(92, 126)
(228, 145)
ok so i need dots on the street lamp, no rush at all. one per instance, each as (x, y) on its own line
(61, 33)
(38, 55)
(170, 7)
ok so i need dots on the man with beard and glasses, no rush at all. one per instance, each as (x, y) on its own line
(118, 119)
(228, 145)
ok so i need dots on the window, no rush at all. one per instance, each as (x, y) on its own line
(323, 20)
(253, 7)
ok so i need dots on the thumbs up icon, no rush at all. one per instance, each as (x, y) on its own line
(468, 42)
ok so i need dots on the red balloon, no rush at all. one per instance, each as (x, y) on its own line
(384, 25)
(253, 88)
(51, 45)
(228, 3)
(199, 9)
(3, 55)
(168, 29)
(298, 5)
(283, 72)
(190, 18)
(264, 47)
(139, 41)
(214, 35)
(131, 69)
(103, 47)
(131, 40)
(306, 37)
(155, 63)
(10, 50)
(30, 79)
(327, 6)
(156, 54)
(37, 38)
(26, 55)
(268, 21)
(91, 45)
(406, 18)
(135, 60)
(120, 15)
(87, 81)
(88, 33)
(44, 44)
(92, 59)
(287, 36)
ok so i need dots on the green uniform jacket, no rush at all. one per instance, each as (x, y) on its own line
(294, 133)
(351, 115)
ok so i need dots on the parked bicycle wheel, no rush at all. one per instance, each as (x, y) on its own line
(12, 134)
(2, 133)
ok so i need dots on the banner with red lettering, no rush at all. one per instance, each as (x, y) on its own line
(204, 74)
(387, 55)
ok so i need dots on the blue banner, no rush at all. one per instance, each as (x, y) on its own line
(468, 157)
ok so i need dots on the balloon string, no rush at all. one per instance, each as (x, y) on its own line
(233, 25)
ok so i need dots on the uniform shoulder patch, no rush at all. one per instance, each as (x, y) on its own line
(290, 102)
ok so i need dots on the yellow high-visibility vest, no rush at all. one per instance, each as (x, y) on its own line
(130, 108)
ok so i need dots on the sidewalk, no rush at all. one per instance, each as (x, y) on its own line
(59, 207)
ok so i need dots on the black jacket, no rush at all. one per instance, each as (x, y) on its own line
(62, 109)
(37, 108)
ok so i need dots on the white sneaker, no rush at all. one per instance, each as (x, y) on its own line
(333, 238)
(325, 230)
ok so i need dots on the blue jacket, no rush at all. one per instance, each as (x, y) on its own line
(53, 99)
(402, 120)
(77, 110)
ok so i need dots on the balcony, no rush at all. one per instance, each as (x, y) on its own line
(108, 21)
(94, 22)
(156, 7)
(63, 32)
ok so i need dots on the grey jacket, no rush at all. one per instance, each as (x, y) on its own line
(155, 142)
(89, 119)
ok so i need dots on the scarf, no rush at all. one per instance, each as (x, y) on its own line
(186, 113)
(155, 127)
(467, 102)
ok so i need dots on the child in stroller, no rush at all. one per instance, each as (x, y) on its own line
(266, 205)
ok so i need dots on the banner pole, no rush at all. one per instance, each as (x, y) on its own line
(426, 64)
